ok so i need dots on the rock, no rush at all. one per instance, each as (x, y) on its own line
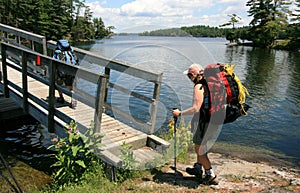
(295, 181)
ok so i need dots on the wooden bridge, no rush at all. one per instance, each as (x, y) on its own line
(28, 83)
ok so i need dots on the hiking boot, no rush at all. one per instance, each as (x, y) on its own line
(210, 180)
(60, 100)
(196, 170)
(73, 103)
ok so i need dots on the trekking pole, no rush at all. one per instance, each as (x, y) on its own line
(175, 169)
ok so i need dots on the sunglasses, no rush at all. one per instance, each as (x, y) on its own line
(190, 75)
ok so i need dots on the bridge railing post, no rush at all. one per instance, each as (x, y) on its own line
(51, 98)
(24, 82)
(106, 72)
(101, 88)
(154, 106)
(4, 69)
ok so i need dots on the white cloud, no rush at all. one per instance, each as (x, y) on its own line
(229, 1)
(166, 13)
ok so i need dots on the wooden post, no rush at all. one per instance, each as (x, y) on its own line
(102, 84)
(24, 82)
(106, 72)
(44, 44)
(19, 40)
(32, 45)
(156, 94)
(51, 99)
(4, 69)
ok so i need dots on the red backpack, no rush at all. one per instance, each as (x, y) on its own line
(224, 97)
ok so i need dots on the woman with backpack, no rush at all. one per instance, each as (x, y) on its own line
(202, 130)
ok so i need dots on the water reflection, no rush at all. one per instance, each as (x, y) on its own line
(293, 89)
(26, 140)
(272, 78)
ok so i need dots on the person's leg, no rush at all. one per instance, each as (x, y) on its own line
(197, 138)
(196, 170)
(202, 158)
(204, 133)
(60, 82)
(69, 85)
(60, 99)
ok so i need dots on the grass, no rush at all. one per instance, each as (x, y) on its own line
(97, 182)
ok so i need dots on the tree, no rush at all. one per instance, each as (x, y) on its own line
(54, 19)
(296, 14)
(295, 27)
(234, 18)
(109, 30)
(269, 18)
(232, 36)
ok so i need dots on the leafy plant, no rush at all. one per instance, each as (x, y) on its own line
(183, 139)
(127, 157)
(75, 154)
(128, 163)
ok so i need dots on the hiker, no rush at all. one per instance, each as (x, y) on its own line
(203, 131)
(64, 52)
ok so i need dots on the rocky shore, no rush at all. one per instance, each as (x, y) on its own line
(234, 175)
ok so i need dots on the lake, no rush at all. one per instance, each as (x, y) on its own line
(271, 76)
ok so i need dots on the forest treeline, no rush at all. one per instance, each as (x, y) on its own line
(195, 31)
(273, 20)
(54, 19)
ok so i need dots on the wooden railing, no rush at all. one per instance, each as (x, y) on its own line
(45, 112)
(23, 38)
(107, 64)
(110, 65)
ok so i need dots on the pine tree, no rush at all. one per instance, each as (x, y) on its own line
(295, 27)
(296, 13)
(269, 18)
(53, 18)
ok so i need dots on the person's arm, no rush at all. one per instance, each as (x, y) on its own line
(196, 104)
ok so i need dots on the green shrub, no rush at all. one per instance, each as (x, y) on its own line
(128, 163)
(183, 140)
(74, 154)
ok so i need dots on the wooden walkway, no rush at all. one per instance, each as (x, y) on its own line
(115, 132)
(29, 90)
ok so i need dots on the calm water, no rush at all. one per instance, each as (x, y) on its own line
(272, 77)
(27, 141)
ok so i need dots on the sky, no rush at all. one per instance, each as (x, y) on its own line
(134, 16)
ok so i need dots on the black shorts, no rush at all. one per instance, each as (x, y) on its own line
(203, 132)
(65, 79)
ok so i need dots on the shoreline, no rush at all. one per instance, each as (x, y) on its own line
(251, 154)
(234, 175)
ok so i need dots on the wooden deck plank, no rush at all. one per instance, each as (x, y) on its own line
(118, 137)
(136, 142)
(110, 127)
